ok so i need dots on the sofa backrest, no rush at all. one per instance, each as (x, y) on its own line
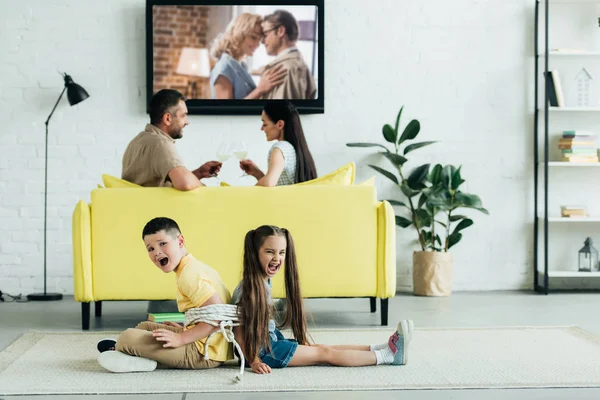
(334, 229)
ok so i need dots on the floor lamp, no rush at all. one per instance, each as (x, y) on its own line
(75, 94)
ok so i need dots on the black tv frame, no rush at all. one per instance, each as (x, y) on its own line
(239, 107)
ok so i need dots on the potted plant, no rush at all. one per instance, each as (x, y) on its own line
(431, 202)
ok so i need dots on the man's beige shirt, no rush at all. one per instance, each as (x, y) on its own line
(149, 157)
(298, 83)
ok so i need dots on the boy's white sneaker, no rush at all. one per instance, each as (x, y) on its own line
(115, 361)
(400, 340)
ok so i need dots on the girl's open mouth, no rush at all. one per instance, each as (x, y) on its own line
(273, 268)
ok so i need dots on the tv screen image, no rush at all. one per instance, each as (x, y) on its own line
(231, 57)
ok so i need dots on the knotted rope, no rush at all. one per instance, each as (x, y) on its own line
(225, 317)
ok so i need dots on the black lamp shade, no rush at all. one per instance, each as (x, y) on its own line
(75, 93)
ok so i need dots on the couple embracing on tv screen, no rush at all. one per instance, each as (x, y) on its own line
(286, 77)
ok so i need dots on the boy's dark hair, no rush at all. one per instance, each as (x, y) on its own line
(161, 224)
(285, 19)
(162, 102)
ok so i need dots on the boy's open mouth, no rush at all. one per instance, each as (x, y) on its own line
(163, 261)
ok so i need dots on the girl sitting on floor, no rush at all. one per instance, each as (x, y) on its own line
(266, 250)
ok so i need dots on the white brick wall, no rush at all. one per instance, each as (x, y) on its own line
(463, 68)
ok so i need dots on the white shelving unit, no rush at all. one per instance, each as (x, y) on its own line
(573, 53)
(573, 274)
(565, 164)
(574, 219)
(546, 120)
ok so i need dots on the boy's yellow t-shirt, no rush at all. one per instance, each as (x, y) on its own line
(196, 283)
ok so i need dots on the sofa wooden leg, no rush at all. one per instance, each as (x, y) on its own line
(384, 312)
(98, 309)
(373, 303)
(85, 316)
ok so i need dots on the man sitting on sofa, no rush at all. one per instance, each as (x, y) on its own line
(151, 158)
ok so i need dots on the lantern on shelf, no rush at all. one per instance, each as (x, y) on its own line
(588, 257)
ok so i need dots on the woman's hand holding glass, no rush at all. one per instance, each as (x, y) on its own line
(249, 167)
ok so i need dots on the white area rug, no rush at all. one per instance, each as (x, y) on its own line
(515, 357)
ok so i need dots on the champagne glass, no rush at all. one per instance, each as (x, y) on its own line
(223, 154)
(240, 151)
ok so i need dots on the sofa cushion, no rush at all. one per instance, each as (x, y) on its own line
(368, 182)
(341, 176)
(114, 182)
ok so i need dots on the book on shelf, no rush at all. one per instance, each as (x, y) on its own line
(576, 134)
(578, 145)
(163, 317)
(579, 159)
(556, 98)
(568, 50)
(572, 211)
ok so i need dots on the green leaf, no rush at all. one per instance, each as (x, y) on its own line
(403, 222)
(467, 200)
(438, 239)
(389, 134)
(422, 200)
(367, 145)
(418, 176)
(424, 218)
(396, 159)
(441, 223)
(456, 179)
(483, 210)
(410, 132)
(398, 121)
(454, 218)
(441, 200)
(435, 174)
(385, 173)
(465, 223)
(408, 192)
(446, 176)
(426, 238)
(453, 239)
(397, 203)
(416, 146)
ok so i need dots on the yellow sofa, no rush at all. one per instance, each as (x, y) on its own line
(345, 239)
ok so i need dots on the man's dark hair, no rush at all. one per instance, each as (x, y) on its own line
(161, 224)
(285, 19)
(161, 102)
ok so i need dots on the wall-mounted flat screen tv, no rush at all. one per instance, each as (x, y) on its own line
(229, 57)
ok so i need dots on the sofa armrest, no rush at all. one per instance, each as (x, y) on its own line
(386, 251)
(82, 253)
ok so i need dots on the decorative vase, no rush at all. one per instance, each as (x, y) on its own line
(432, 273)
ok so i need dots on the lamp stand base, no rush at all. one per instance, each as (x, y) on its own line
(44, 296)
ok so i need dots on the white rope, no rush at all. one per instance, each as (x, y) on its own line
(225, 317)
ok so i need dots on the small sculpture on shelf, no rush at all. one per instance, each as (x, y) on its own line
(588, 257)
(583, 79)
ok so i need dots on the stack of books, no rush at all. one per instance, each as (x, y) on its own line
(577, 146)
(573, 211)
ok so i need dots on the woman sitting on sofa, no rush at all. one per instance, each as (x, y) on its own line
(289, 159)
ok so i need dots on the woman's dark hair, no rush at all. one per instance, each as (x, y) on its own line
(293, 133)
